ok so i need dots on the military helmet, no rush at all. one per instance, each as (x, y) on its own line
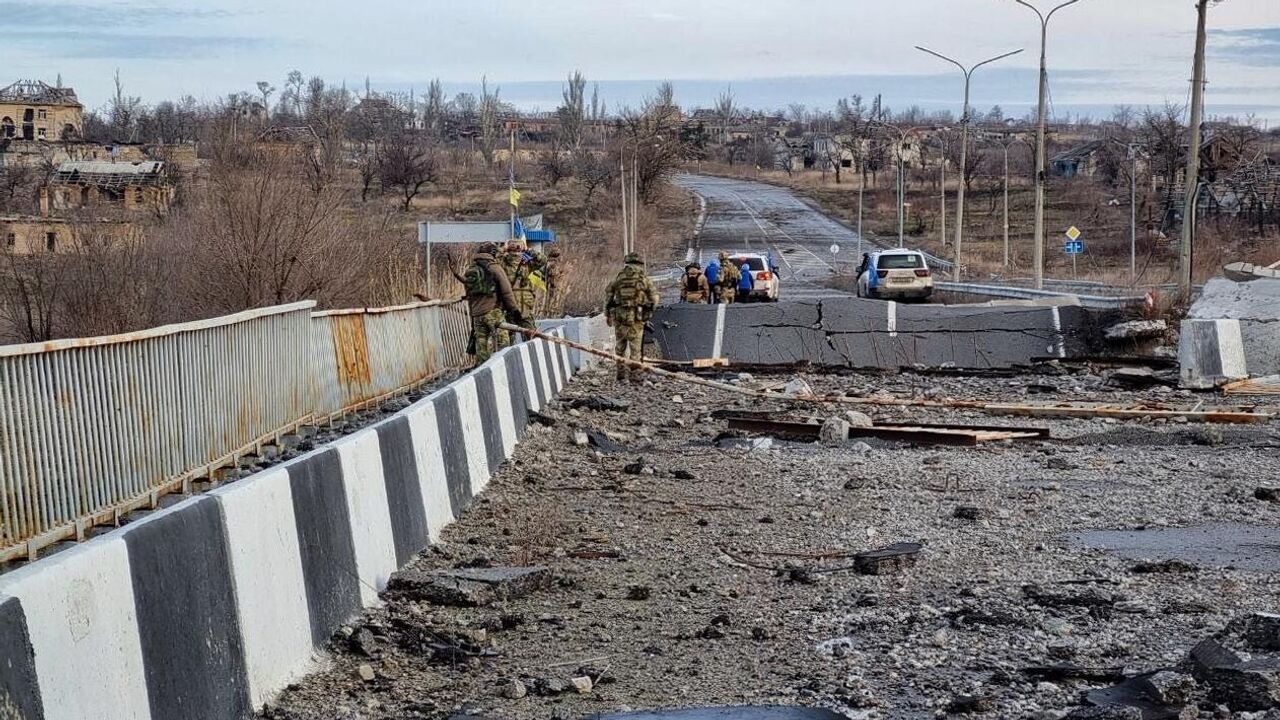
(693, 266)
(634, 259)
(488, 249)
(555, 253)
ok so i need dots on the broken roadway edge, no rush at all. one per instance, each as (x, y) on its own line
(643, 604)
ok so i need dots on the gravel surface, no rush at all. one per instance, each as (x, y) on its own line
(690, 575)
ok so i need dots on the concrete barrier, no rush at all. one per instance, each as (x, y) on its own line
(856, 333)
(1232, 332)
(211, 607)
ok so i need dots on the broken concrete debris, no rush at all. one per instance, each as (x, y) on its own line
(468, 587)
(887, 561)
(1137, 330)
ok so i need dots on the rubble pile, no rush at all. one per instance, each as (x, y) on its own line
(637, 555)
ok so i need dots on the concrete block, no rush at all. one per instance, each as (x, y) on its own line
(1211, 353)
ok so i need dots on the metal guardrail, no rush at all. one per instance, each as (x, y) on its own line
(94, 428)
(1098, 302)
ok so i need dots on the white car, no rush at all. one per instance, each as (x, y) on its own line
(766, 285)
(895, 275)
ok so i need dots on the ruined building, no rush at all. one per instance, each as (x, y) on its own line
(129, 186)
(34, 110)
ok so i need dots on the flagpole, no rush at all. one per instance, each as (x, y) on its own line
(511, 181)
(626, 226)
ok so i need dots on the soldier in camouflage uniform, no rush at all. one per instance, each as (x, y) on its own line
(728, 281)
(629, 303)
(491, 302)
(556, 288)
(694, 287)
(516, 264)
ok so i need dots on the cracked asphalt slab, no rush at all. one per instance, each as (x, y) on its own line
(688, 575)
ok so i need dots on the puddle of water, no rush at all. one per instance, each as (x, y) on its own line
(731, 713)
(1245, 547)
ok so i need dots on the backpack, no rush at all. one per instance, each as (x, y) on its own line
(629, 289)
(479, 281)
(730, 275)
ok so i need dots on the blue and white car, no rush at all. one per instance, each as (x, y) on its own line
(895, 275)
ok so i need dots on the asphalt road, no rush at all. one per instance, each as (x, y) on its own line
(750, 216)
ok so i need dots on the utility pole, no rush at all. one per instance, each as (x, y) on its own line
(1133, 213)
(964, 150)
(1041, 133)
(1006, 204)
(862, 186)
(943, 216)
(1193, 154)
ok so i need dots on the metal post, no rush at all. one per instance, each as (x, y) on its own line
(1006, 206)
(430, 288)
(902, 208)
(1041, 142)
(1192, 183)
(943, 216)
(964, 148)
(1133, 215)
(862, 186)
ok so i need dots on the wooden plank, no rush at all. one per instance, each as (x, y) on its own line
(702, 363)
(1228, 416)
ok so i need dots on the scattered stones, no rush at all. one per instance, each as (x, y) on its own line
(797, 388)
(468, 587)
(968, 704)
(1167, 687)
(683, 475)
(748, 444)
(969, 512)
(1259, 631)
(514, 690)
(1268, 494)
(580, 438)
(582, 685)
(887, 561)
(1163, 566)
(639, 592)
(1087, 598)
(1137, 330)
(365, 671)
(858, 420)
(600, 403)
(834, 433)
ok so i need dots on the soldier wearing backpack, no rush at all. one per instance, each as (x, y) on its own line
(728, 280)
(629, 303)
(491, 301)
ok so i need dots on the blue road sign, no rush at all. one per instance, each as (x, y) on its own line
(1074, 247)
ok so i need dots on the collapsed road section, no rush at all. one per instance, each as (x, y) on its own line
(649, 548)
(855, 333)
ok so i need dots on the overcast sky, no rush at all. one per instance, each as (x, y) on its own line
(1102, 51)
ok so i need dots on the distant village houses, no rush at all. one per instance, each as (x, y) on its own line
(34, 110)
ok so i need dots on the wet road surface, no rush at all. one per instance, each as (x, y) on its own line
(758, 217)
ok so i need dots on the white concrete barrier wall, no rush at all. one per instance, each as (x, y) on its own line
(207, 609)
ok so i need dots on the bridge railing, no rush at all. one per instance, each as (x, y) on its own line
(93, 428)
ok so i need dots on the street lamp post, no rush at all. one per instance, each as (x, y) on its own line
(1041, 179)
(964, 147)
(902, 188)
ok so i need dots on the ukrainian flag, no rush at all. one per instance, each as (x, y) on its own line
(515, 198)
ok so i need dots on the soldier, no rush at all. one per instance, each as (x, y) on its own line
(695, 288)
(629, 303)
(491, 302)
(516, 263)
(556, 288)
(728, 281)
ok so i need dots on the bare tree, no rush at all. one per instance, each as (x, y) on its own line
(122, 112)
(433, 115)
(726, 113)
(407, 162)
(572, 112)
(592, 172)
(490, 121)
(652, 141)
(266, 90)
(1164, 137)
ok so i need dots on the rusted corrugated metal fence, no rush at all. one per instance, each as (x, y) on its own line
(93, 428)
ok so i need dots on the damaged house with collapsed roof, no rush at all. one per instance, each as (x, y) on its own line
(34, 110)
(140, 186)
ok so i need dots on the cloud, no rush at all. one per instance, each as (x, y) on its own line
(80, 15)
(127, 46)
(1250, 46)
